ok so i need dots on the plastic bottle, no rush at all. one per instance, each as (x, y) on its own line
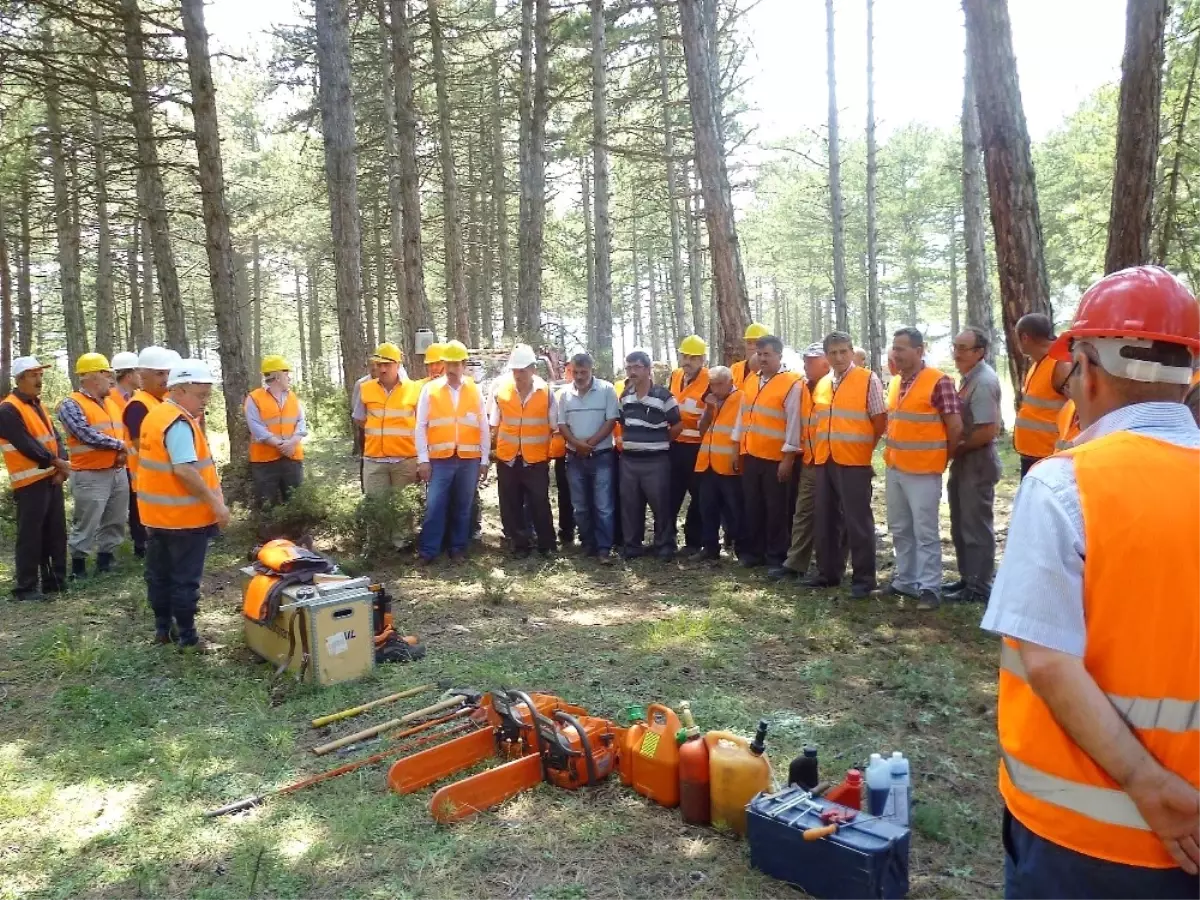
(900, 798)
(738, 770)
(695, 798)
(803, 770)
(849, 792)
(650, 757)
(879, 784)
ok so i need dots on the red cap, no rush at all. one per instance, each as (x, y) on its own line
(853, 776)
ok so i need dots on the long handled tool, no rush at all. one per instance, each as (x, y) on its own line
(460, 698)
(406, 747)
(353, 711)
(834, 826)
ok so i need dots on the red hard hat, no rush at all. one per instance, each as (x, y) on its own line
(1145, 302)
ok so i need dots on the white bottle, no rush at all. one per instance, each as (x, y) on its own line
(879, 784)
(900, 799)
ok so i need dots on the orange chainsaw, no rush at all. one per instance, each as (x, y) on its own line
(571, 750)
(507, 738)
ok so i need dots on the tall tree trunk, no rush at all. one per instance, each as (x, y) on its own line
(370, 284)
(316, 344)
(874, 335)
(1169, 205)
(256, 299)
(381, 284)
(105, 306)
(24, 283)
(500, 201)
(673, 191)
(244, 304)
(602, 286)
(588, 251)
(458, 322)
(341, 173)
(473, 242)
(417, 312)
(6, 310)
(153, 196)
(135, 292)
(147, 286)
(952, 253)
(836, 212)
(638, 323)
(67, 229)
(695, 266)
(218, 244)
(657, 348)
(535, 101)
(979, 285)
(1016, 220)
(302, 335)
(395, 200)
(728, 277)
(487, 233)
(1136, 168)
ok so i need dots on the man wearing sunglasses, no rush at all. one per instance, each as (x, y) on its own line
(1098, 603)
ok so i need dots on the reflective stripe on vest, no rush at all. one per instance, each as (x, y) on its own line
(163, 501)
(149, 401)
(103, 416)
(281, 421)
(1037, 420)
(808, 423)
(454, 430)
(390, 429)
(1140, 500)
(618, 434)
(717, 449)
(524, 428)
(691, 403)
(843, 429)
(1068, 427)
(23, 471)
(916, 435)
(764, 425)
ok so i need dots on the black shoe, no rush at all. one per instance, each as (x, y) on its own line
(139, 552)
(816, 581)
(862, 591)
(666, 554)
(521, 553)
(633, 552)
(966, 595)
(929, 600)
(28, 597)
(894, 591)
(78, 567)
(781, 573)
(703, 556)
(953, 587)
(545, 554)
(751, 562)
(104, 563)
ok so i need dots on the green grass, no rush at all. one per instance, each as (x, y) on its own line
(112, 748)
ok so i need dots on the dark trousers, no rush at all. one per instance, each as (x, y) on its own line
(972, 493)
(137, 531)
(766, 523)
(844, 519)
(566, 510)
(1027, 463)
(646, 480)
(41, 538)
(274, 481)
(525, 495)
(720, 503)
(617, 530)
(1036, 868)
(683, 483)
(174, 565)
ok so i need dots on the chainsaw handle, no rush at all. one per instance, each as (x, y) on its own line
(584, 741)
(238, 806)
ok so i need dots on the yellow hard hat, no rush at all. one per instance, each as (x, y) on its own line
(433, 353)
(275, 363)
(454, 351)
(92, 362)
(693, 345)
(387, 353)
(754, 331)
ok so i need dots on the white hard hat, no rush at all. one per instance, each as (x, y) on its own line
(159, 358)
(189, 371)
(522, 357)
(124, 360)
(23, 364)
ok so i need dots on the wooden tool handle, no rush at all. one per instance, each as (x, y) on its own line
(322, 721)
(449, 703)
(815, 834)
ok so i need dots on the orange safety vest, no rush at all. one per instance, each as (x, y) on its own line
(764, 427)
(104, 416)
(718, 448)
(1141, 505)
(1068, 427)
(118, 398)
(391, 425)
(149, 401)
(454, 430)
(163, 501)
(843, 429)
(524, 428)
(618, 434)
(916, 434)
(1037, 419)
(691, 403)
(281, 421)
(558, 443)
(808, 423)
(740, 370)
(23, 471)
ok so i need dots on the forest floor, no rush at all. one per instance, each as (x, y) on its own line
(111, 748)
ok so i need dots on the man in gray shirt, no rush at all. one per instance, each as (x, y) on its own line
(974, 470)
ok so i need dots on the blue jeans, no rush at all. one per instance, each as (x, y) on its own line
(451, 493)
(174, 566)
(1035, 867)
(591, 480)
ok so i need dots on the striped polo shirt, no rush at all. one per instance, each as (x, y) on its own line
(645, 421)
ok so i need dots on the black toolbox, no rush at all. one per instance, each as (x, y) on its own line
(867, 860)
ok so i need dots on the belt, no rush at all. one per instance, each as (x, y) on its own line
(591, 455)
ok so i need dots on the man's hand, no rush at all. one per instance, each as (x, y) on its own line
(1171, 807)
(710, 399)
(64, 467)
(424, 471)
(288, 447)
(784, 473)
(122, 458)
(583, 448)
(222, 512)
(483, 472)
(737, 464)
(58, 478)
